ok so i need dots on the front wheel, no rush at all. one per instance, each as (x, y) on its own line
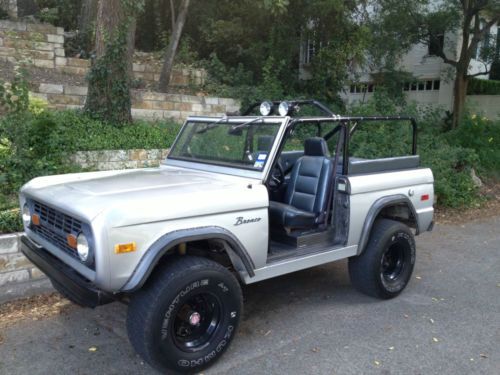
(186, 315)
(385, 266)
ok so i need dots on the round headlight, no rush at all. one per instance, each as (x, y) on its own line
(26, 215)
(266, 108)
(284, 108)
(82, 246)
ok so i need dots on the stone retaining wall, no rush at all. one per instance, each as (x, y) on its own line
(119, 159)
(43, 46)
(14, 267)
(145, 104)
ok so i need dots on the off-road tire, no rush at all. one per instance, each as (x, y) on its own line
(156, 317)
(385, 266)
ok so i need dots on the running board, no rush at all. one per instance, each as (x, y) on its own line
(299, 263)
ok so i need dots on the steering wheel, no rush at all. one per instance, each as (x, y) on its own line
(277, 177)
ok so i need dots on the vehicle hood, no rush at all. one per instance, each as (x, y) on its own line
(146, 195)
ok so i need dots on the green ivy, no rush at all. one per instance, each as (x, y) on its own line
(109, 83)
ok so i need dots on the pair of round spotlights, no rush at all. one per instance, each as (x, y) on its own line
(267, 108)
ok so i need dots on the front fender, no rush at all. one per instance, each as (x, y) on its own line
(237, 252)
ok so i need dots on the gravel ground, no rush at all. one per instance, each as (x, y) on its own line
(446, 322)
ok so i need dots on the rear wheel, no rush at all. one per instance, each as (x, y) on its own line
(385, 266)
(186, 315)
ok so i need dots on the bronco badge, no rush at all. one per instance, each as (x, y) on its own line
(240, 220)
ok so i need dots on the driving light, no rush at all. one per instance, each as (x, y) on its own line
(26, 215)
(284, 108)
(266, 108)
(82, 247)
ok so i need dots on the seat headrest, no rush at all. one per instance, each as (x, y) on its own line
(315, 147)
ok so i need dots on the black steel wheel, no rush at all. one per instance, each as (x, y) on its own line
(384, 268)
(186, 315)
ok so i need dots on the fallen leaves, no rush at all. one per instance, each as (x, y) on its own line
(93, 349)
(435, 339)
(482, 355)
(377, 363)
(391, 348)
(32, 308)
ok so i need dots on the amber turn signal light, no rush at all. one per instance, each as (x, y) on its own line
(35, 219)
(71, 240)
(125, 248)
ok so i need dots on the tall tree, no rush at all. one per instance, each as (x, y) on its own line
(454, 29)
(109, 77)
(86, 25)
(178, 26)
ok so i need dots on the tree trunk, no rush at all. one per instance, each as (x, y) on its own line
(86, 25)
(172, 46)
(110, 15)
(459, 94)
(108, 96)
(131, 48)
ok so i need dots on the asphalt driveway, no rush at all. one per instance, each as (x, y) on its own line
(313, 322)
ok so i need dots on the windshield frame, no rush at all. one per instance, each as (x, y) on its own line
(234, 170)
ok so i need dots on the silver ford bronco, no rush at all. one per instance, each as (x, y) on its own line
(239, 199)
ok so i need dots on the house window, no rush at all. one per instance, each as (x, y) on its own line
(437, 84)
(310, 51)
(436, 43)
(428, 85)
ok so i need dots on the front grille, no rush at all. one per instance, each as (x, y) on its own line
(55, 227)
(57, 221)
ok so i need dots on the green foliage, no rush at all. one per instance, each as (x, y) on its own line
(450, 155)
(62, 13)
(41, 143)
(10, 221)
(483, 87)
(483, 136)
(14, 96)
(109, 84)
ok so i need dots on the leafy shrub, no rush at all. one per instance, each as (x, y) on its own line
(483, 87)
(483, 136)
(450, 159)
(10, 221)
(40, 144)
(14, 96)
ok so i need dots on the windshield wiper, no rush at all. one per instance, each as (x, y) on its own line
(240, 126)
(212, 125)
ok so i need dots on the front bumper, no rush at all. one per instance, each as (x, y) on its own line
(64, 278)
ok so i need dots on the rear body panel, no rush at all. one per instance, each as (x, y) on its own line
(416, 184)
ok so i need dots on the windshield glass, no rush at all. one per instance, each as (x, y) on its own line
(242, 145)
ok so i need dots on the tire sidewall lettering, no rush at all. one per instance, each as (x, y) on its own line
(210, 356)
